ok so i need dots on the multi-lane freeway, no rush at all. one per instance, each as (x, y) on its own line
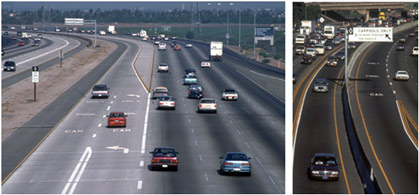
(386, 128)
(82, 155)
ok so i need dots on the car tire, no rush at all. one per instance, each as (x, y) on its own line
(249, 174)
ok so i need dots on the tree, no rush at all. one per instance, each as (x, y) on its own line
(190, 35)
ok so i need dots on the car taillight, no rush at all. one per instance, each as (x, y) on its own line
(154, 160)
(160, 103)
(189, 93)
(245, 163)
(202, 93)
(227, 163)
(172, 104)
(174, 161)
(200, 105)
(215, 105)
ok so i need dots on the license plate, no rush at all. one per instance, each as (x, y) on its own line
(164, 166)
(236, 169)
(325, 177)
(116, 120)
(100, 94)
(230, 97)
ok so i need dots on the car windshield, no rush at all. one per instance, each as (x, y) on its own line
(165, 98)
(163, 65)
(160, 89)
(236, 156)
(230, 91)
(117, 114)
(325, 161)
(207, 101)
(164, 152)
(321, 82)
(100, 87)
(402, 72)
(195, 87)
(9, 63)
(190, 76)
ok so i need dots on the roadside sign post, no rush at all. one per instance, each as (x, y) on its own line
(365, 34)
(35, 79)
(61, 56)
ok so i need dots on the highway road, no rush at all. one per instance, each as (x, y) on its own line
(90, 158)
(28, 56)
(389, 142)
(44, 56)
(319, 126)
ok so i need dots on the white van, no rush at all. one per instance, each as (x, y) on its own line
(319, 49)
(300, 39)
(162, 46)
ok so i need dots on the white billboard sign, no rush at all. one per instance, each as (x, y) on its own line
(370, 34)
(74, 21)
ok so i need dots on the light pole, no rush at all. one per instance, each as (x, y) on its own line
(240, 30)
(254, 35)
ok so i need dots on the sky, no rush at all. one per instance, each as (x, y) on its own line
(109, 5)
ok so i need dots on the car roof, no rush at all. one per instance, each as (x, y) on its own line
(235, 153)
(207, 99)
(324, 155)
(117, 112)
(164, 147)
(321, 79)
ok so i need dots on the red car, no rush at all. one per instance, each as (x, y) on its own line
(117, 119)
(164, 158)
(21, 43)
(176, 48)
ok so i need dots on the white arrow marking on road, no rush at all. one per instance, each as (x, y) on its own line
(126, 150)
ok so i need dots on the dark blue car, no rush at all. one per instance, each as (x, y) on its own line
(196, 91)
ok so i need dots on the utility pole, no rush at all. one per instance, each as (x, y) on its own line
(254, 33)
(239, 29)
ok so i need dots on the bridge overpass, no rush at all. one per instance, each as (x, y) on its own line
(361, 7)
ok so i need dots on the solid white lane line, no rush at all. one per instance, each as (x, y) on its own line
(145, 125)
(140, 185)
(84, 159)
(142, 163)
(46, 53)
(109, 107)
(94, 135)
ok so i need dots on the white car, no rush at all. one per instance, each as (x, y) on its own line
(166, 102)
(206, 64)
(144, 39)
(166, 38)
(415, 51)
(188, 45)
(319, 49)
(163, 67)
(230, 94)
(401, 75)
(162, 46)
(311, 51)
(156, 42)
(207, 105)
